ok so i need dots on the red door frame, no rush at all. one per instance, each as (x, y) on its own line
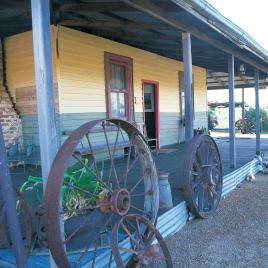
(156, 103)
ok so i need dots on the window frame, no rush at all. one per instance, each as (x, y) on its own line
(127, 62)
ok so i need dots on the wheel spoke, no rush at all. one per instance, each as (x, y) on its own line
(93, 155)
(196, 184)
(110, 154)
(110, 259)
(206, 199)
(129, 250)
(212, 190)
(112, 168)
(98, 236)
(197, 165)
(95, 253)
(136, 195)
(200, 197)
(128, 160)
(138, 227)
(75, 231)
(129, 234)
(195, 173)
(199, 157)
(91, 171)
(138, 182)
(81, 190)
(138, 209)
(206, 152)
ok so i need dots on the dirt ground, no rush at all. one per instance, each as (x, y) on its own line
(236, 236)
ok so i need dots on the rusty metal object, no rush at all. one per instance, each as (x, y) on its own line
(126, 185)
(202, 176)
(134, 234)
(118, 201)
(25, 220)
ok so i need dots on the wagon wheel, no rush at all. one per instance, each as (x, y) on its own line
(202, 176)
(135, 236)
(96, 186)
(25, 220)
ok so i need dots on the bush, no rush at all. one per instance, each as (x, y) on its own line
(212, 120)
(250, 117)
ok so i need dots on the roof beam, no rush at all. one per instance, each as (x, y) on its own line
(124, 33)
(112, 24)
(108, 7)
(95, 7)
(160, 14)
(224, 84)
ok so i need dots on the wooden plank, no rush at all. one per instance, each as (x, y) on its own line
(26, 102)
(257, 111)
(49, 140)
(232, 144)
(10, 206)
(188, 80)
(113, 24)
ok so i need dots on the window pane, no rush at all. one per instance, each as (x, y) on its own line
(147, 101)
(118, 105)
(118, 76)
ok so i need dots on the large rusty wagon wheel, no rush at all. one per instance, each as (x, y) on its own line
(202, 176)
(136, 237)
(25, 220)
(103, 171)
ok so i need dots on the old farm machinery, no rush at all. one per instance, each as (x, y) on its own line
(102, 197)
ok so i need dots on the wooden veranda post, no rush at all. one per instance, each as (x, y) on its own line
(257, 111)
(49, 142)
(10, 206)
(232, 144)
(188, 77)
(243, 110)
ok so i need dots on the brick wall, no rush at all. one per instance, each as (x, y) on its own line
(10, 121)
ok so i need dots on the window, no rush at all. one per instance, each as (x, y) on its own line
(118, 74)
(182, 97)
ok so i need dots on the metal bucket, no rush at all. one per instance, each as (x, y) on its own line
(165, 197)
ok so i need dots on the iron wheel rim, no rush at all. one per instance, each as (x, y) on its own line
(211, 172)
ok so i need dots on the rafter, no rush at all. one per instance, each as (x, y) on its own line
(153, 10)
(112, 24)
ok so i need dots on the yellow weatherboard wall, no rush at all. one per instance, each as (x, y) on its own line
(81, 58)
(79, 75)
(20, 61)
(82, 80)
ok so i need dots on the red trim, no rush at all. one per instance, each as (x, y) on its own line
(127, 62)
(157, 110)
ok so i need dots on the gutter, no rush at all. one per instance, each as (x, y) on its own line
(212, 17)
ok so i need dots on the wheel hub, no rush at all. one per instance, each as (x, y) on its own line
(207, 176)
(118, 201)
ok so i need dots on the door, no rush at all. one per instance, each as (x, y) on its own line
(151, 111)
